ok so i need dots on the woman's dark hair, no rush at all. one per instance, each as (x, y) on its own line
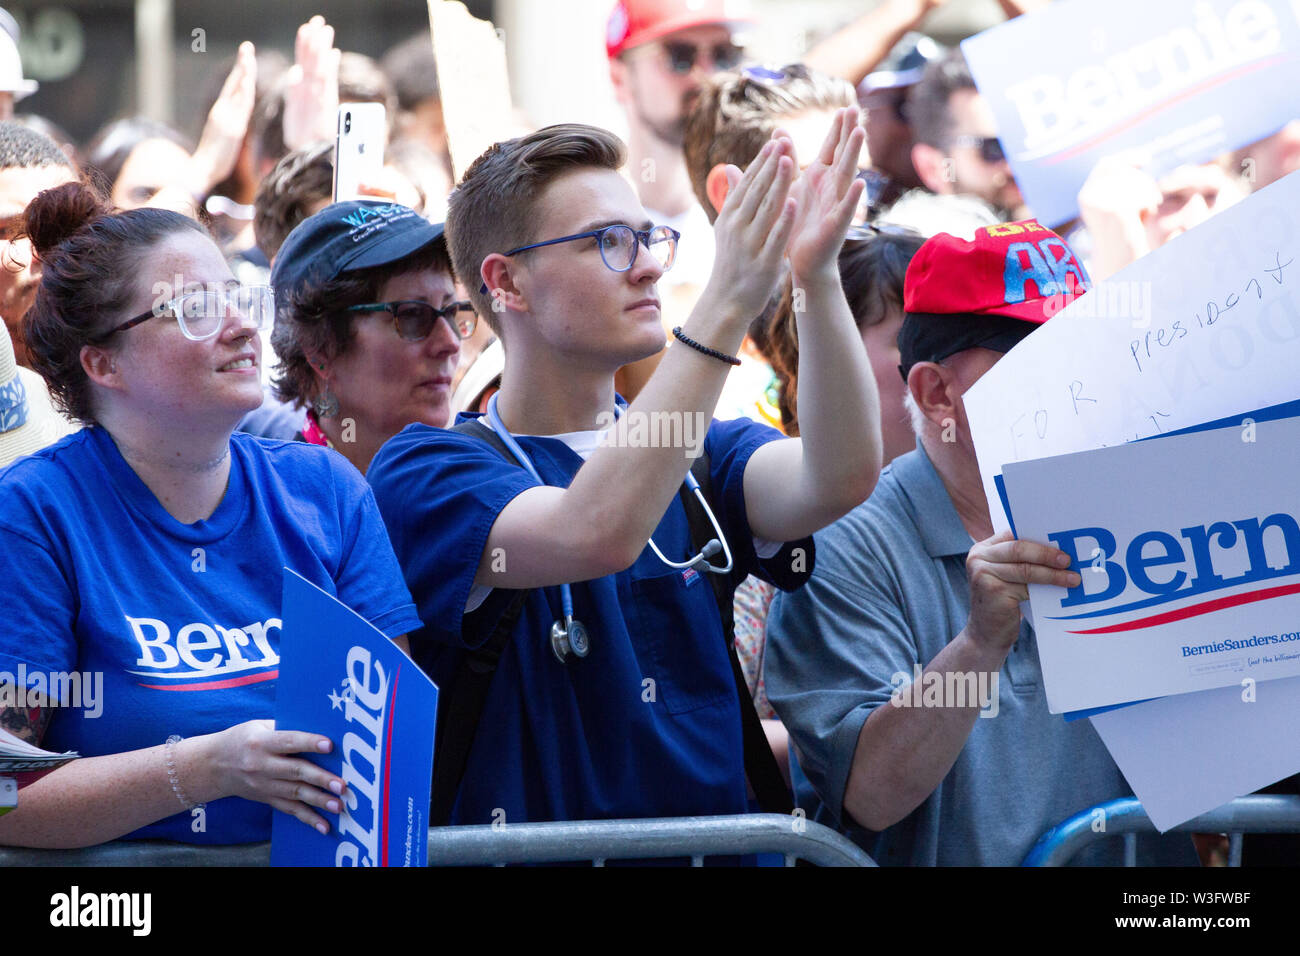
(872, 271)
(315, 321)
(112, 146)
(92, 260)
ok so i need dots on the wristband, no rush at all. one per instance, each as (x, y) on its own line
(699, 347)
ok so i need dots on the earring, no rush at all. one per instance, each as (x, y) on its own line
(326, 405)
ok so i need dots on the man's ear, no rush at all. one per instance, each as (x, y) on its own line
(933, 168)
(929, 383)
(99, 365)
(716, 186)
(497, 275)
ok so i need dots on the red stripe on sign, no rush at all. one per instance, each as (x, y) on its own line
(219, 684)
(1146, 114)
(388, 768)
(1195, 610)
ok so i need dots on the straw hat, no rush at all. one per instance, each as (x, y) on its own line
(28, 421)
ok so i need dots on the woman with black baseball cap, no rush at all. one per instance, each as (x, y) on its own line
(368, 325)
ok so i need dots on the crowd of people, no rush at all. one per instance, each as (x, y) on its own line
(432, 404)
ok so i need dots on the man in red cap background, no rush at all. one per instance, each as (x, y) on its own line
(659, 53)
(910, 626)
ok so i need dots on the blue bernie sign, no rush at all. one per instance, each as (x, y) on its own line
(1181, 82)
(341, 677)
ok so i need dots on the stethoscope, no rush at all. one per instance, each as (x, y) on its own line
(568, 635)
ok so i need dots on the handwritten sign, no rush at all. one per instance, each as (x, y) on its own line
(1204, 327)
(473, 82)
(1181, 82)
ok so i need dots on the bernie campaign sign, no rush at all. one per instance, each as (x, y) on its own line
(1181, 82)
(1188, 546)
(341, 677)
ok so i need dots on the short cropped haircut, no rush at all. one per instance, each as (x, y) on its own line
(492, 208)
(927, 106)
(287, 194)
(733, 115)
(23, 148)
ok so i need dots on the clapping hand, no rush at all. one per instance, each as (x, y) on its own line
(827, 193)
(753, 229)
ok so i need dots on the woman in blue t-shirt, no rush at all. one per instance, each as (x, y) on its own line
(142, 556)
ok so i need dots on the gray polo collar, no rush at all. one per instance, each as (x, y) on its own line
(932, 511)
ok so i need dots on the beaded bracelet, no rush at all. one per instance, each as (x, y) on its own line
(172, 776)
(713, 353)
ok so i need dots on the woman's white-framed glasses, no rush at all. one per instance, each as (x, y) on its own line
(201, 314)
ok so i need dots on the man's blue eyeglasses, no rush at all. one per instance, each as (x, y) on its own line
(619, 245)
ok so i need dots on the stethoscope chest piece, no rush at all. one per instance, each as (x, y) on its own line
(569, 637)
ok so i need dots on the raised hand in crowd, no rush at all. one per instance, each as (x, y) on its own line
(220, 142)
(227, 124)
(311, 96)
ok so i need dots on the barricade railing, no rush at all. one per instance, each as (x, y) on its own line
(595, 841)
(1259, 813)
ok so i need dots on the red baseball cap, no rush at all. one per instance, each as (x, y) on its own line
(990, 291)
(634, 22)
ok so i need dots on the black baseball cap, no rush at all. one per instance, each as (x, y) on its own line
(347, 236)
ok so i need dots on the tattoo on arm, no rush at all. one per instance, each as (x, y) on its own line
(25, 723)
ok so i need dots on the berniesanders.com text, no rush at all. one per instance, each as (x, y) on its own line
(1258, 640)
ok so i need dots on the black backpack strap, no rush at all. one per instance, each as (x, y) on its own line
(464, 710)
(761, 768)
(467, 695)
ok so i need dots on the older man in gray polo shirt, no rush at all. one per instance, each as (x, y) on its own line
(909, 683)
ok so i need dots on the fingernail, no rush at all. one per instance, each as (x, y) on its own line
(322, 829)
(336, 787)
(1063, 560)
(332, 806)
(324, 746)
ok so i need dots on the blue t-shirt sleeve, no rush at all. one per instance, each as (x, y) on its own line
(440, 492)
(730, 445)
(40, 608)
(369, 579)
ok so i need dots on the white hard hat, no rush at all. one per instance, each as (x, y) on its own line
(11, 69)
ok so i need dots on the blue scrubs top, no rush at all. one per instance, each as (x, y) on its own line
(648, 723)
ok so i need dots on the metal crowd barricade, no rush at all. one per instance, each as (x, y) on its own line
(1125, 817)
(593, 841)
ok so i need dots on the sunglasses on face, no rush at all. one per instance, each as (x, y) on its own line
(682, 56)
(990, 147)
(415, 320)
